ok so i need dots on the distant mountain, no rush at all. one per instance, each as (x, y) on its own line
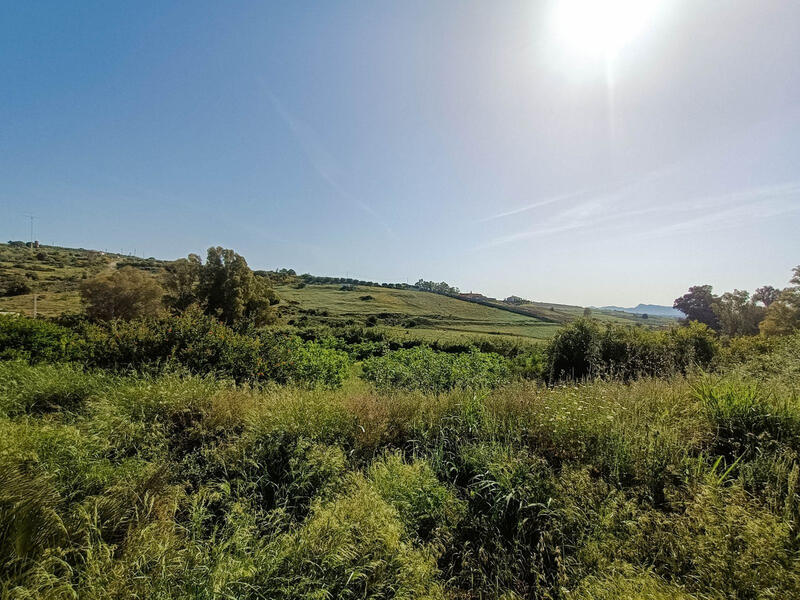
(649, 309)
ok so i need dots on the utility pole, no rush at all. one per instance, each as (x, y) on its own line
(31, 217)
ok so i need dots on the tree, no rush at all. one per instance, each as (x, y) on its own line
(227, 289)
(223, 287)
(181, 282)
(124, 294)
(738, 314)
(766, 295)
(697, 305)
(14, 285)
(783, 315)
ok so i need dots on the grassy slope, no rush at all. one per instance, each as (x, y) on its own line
(53, 273)
(436, 316)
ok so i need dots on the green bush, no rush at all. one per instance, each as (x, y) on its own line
(352, 547)
(425, 369)
(428, 508)
(746, 418)
(586, 349)
(37, 340)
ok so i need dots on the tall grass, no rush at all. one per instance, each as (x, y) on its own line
(188, 486)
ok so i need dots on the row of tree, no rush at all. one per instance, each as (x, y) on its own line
(223, 286)
(768, 310)
(441, 287)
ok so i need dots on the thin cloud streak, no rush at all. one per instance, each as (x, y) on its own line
(722, 211)
(754, 204)
(543, 202)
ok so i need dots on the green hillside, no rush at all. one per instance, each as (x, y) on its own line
(415, 314)
(54, 274)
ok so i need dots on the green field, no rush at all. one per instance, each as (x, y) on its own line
(428, 316)
(419, 315)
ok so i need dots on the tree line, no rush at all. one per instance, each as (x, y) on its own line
(769, 311)
(223, 287)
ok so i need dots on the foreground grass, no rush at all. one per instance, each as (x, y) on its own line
(117, 486)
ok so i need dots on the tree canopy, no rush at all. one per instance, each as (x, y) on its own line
(223, 286)
(127, 293)
(697, 305)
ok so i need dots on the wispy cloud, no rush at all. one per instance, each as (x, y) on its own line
(321, 160)
(619, 207)
(734, 209)
(537, 204)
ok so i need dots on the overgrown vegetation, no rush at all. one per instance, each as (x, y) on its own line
(205, 448)
(178, 457)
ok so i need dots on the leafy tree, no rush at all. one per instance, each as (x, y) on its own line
(124, 294)
(439, 288)
(783, 315)
(698, 304)
(14, 285)
(223, 287)
(181, 282)
(227, 289)
(766, 295)
(738, 314)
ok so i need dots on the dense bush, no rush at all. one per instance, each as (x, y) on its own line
(586, 349)
(176, 486)
(37, 340)
(192, 341)
(425, 369)
(46, 388)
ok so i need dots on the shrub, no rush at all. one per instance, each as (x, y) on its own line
(201, 344)
(429, 509)
(37, 340)
(585, 349)
(746, 418)
(352, 547)
(128, 293)
(425, 369)
(574, 351)
(14, 285)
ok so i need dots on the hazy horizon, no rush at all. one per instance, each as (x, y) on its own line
(528, 148)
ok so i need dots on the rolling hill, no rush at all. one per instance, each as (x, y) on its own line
(652, 310)
(54, 275)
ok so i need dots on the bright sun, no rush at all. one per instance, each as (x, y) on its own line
(601, 28)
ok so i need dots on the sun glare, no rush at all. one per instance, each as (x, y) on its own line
(601, 28)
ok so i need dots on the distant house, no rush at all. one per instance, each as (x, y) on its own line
(516, 300)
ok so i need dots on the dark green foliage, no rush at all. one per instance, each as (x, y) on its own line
(14, 285)
(37, 340)
(192, 341)
(177, 486)
(425, 369)
(202, 344)
(586, 349)
(224, 287)
(698, 305)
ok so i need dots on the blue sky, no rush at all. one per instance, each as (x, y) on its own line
(472, 142)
